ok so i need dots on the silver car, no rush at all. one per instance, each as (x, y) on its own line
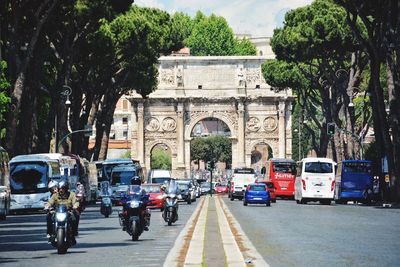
(4, 202)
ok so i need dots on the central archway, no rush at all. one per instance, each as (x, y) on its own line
(209, 130)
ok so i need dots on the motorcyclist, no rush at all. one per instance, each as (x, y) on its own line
(64, 196)
(53, 188)
(145, 216)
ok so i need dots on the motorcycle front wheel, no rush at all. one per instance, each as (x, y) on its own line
(135, 231)
(61, 245)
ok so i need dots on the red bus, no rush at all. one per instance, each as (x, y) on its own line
(282, 172)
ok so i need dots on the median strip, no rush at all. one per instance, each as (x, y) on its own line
(247, 249)
(177, 255)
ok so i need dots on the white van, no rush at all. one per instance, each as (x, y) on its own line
(158, 176)
(315, 180)
(240, 179)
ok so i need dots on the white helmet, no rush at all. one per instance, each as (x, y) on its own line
(53, 184)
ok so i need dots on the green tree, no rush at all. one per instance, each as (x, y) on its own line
(215, 148)
(376, 25)
(4, 98)
(244, 47)
(212, 36)
(160, 159)
(317, 56)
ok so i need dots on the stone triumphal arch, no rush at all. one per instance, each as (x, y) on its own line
(191, 89)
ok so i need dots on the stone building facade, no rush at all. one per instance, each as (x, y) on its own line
(230, 89)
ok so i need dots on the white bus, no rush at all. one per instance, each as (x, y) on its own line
(29, 178)
(315, 180)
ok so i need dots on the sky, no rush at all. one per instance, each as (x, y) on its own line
(256, 17)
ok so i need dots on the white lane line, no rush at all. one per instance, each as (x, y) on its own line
(194, 256)
(251, 252)
(173, 256)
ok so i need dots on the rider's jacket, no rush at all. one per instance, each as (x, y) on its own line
(69, 199)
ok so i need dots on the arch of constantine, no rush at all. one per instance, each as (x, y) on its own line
(191, 89)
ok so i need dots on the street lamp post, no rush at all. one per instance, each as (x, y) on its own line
(65, 92)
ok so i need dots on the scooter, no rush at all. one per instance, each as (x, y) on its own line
(132, 218)
(106, 203)
(62, 230)
(170, 213)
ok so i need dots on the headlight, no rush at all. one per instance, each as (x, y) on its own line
(44, 199)
(160, 197)
(134, 204)
(60, 217)
(106, 200)
(179, 196)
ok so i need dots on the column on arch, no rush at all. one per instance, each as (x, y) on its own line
(140, 133)
(181, 135)
(282, 129)
(241, 149)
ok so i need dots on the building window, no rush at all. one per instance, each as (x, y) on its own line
(125, 134)
(124, 120)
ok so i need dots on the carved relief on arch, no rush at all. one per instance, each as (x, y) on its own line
(270, 124)
(152, 124)
(168, 124)
(253, 124)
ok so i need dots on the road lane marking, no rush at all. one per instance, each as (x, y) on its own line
(247, 249)
(179, 250)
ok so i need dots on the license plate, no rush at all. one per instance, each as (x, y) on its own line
(28, 206)
(283, 188)
(317, 195)
(257, 198)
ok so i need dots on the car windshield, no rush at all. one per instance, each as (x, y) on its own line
(183, 186)
(257, 187)
(28, 177)
(152, 188)
(205, 185)
(160, 180)
(318, 167)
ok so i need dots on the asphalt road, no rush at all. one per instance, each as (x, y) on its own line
(288, 234)
(101, 241)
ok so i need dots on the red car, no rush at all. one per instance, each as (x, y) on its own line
(271, 188)
(157, 200)
(221, 189)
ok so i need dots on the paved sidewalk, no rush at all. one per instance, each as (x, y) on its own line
(213, 237)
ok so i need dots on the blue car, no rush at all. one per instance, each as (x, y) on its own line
(256, 194)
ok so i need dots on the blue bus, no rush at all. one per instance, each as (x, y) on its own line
(354, 181)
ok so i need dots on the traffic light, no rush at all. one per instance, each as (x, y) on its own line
(331, 128)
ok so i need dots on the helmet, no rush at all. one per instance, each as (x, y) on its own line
(52, 185)
(136, 180)
(63, 184)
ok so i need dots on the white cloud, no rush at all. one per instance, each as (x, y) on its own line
(255, 17)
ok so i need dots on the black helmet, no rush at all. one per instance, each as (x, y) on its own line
(136, 180)
(63, 184)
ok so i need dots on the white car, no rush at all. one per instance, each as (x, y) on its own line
(4, 202)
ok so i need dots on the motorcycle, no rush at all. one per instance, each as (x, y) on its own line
(106, 203)
(62, 230)
(132, 218)
(170, 213)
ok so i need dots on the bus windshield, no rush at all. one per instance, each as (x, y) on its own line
(318, 167)
(28, 177)
(284, 167)
(357, 167)
(123, 177)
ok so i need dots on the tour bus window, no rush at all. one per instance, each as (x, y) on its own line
(318, 167)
